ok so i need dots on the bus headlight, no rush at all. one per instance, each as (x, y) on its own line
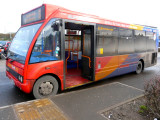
(20, 78)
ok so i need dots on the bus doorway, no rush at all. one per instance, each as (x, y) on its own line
(79, 54)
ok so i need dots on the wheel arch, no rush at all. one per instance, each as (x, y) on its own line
(142, 63)
(56, 77)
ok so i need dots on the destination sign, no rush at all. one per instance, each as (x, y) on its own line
(35, 15)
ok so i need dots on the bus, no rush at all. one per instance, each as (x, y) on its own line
(57, 49)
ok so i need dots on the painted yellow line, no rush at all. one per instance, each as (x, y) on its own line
(42, 109)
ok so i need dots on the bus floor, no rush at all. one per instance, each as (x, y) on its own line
(74, 78)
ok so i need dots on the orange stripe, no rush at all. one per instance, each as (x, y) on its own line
(105, 72)
(126, 65)
(121, 66)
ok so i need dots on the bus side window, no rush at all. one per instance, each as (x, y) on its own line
(126, 41)
(47, 46)
(107, 40)
(151, 43)
(140, 41)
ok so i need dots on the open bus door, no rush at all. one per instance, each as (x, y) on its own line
(79, 53)
(88, 52)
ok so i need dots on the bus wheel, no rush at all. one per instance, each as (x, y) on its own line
(45, 86)
(139, 67)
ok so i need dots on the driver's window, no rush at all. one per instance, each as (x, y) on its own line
(47, 46)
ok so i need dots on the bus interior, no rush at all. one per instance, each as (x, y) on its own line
(78, 39)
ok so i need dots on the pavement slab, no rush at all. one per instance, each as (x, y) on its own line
(85, 104)
(42, 109)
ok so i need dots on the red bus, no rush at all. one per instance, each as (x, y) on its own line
(56, 49)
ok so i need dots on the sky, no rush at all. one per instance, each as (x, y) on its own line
(144, 12)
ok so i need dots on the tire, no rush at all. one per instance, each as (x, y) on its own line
(139, 68)
(45, 86)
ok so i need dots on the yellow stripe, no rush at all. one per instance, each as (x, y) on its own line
(136, 27)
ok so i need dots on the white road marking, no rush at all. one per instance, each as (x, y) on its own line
(130, 86)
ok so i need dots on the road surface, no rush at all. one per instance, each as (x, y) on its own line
(9, 94)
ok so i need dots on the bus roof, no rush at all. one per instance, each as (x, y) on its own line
(59, 12)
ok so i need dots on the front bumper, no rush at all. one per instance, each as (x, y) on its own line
(26, 86)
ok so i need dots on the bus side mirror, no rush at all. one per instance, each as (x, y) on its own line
(56, 25)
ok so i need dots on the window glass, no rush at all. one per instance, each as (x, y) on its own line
(21, 42)
(126, 41)
(47, 47)
(140, 41)
(151, 41)
(87, 42)
(107, 40)
(139, 33)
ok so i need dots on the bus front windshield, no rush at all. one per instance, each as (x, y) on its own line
(21, 42)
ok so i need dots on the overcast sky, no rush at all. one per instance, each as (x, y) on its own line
(144, 12)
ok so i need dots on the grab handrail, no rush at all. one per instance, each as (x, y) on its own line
(89, 60)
